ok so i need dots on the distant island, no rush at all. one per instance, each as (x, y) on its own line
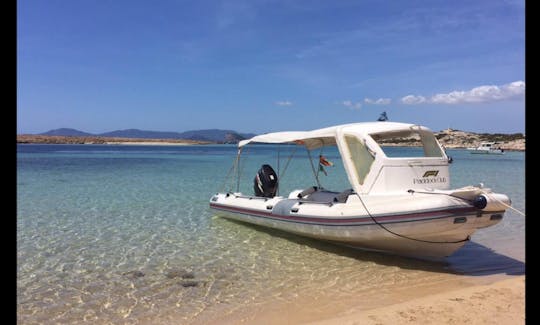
(450, 138)
(58, 139)
(134, 136)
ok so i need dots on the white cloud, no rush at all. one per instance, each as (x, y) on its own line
(284, 103)
(380, 101)
(481, 94)
(351, 105)
(411, 99)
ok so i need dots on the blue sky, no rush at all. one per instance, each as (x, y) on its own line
(265, 65)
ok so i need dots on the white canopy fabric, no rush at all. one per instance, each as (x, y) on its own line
(327, 136)
(310, 139)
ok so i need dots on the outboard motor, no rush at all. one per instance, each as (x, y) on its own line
(265, 183)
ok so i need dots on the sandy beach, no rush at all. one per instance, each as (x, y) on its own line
(500, 301)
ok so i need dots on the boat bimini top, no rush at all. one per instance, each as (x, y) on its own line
(369, 168)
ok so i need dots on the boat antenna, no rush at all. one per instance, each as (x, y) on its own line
(237, 166)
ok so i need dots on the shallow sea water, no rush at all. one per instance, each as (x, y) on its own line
(123, 235)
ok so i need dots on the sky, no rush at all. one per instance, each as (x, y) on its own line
(269, 65)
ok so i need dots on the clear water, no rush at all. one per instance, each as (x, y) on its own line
(123, 235)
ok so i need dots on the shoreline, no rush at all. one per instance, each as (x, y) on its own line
(53, 139)
(501, 302)
(489, 300)
(449, 143)
(448, 139)
(148, 143)
(165, 143)
(451, 146)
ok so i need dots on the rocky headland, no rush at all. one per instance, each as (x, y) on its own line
(459, 139)
(451, 138)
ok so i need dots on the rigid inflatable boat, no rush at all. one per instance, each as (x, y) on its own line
(401, 205)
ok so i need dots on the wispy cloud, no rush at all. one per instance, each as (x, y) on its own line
(481, 94)
(350, 104)
(412, 99)
(380, 101)
(283, 103)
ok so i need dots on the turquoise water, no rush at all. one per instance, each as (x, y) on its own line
(124, 235)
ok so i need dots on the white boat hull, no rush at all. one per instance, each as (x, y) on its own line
(416, 230)
(491, 152)
(392, 203)
(492, 148)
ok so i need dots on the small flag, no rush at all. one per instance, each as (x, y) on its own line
(323, 161)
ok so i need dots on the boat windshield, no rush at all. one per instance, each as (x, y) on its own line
(417, 143)
(360, 156)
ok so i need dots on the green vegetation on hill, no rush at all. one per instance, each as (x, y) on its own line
(209, 135)
(449, 138)
(500, 137)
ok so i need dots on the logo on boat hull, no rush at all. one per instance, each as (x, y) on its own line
(431, 173)
(430, 177)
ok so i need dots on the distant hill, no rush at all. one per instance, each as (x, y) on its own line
(452, 138)
(141, 134)
(212, 135)
(67, 133)
(215, 135)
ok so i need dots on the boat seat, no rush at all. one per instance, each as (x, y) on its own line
(321, 195)
(307, 192)
(343, 196)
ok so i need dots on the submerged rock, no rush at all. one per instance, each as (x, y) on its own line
(133, 274)
(189, 283)
(184, 274)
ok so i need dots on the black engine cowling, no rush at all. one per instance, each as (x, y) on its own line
(265, 183)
